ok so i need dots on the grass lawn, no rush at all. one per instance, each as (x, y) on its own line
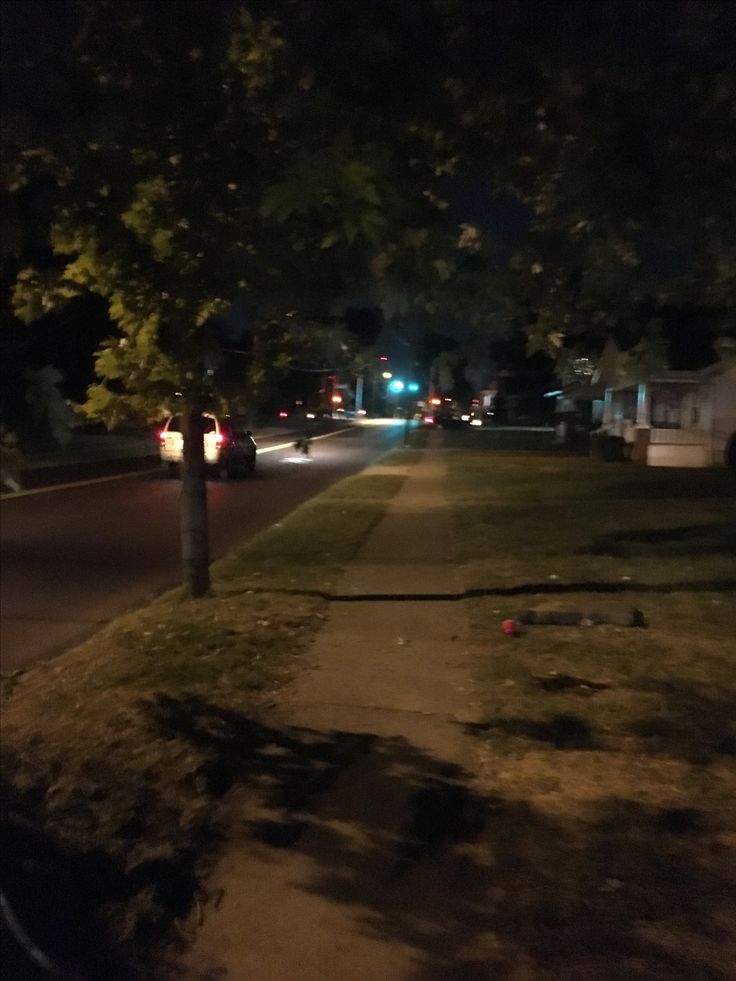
(610, 750)
(105, 802)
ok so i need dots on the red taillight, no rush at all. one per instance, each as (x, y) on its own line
(219, 439)
(283, 415)
(429, 420)
(162, 436)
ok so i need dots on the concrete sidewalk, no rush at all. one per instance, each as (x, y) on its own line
(358, 853)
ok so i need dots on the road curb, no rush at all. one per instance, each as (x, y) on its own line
(38, 477)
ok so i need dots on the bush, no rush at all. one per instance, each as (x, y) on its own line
(609, 448)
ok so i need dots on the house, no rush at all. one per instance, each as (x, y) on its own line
(674, 418)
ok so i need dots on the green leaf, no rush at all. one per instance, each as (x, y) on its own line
(442, 268)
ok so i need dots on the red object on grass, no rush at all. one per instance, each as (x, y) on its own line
(510, 628)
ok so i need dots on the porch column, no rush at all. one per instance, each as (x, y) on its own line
(643, 407)
(607, 418)
(642, 431)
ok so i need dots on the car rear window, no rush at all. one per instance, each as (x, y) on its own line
(208, 425)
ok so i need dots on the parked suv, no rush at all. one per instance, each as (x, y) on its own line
(229, 448)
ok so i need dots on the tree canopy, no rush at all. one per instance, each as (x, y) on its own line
(303, 153)
(220, 153)
(616, 125)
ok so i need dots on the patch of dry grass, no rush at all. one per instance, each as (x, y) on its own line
(613, 746)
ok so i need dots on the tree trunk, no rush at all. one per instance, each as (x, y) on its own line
(195, 550)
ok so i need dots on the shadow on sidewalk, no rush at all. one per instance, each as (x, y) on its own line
(452, 868)
(478, 886)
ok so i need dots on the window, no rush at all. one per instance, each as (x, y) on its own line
(666, 410)
(208, 425)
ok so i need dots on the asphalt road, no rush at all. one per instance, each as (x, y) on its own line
(76, 556)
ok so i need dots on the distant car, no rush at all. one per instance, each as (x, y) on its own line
(450, 418)
(229, 448)
(451, 421)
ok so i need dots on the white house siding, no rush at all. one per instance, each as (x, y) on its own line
(723, 408)
(677, 448)
(696, 408)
